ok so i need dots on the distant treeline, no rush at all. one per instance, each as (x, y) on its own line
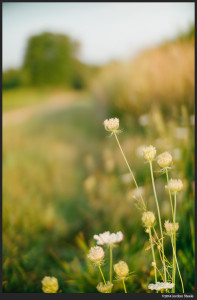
(50, 60)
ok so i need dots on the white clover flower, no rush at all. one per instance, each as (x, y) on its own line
(148, 218)
(50, 284)
(96, 254)
(121, 269)
(160, 286)
(149, 153)
(111, 124)
(108, 238)
(175, 185)
(170, 227)
(102, 288)
(164, 160)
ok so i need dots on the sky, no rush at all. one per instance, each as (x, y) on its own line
(106, 31)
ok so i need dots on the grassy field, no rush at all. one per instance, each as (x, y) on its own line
(63, 174)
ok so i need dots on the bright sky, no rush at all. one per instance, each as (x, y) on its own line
(107, 31)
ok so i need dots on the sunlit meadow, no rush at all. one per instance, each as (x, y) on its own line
(68, 178)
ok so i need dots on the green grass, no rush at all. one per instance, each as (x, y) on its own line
(23, 97)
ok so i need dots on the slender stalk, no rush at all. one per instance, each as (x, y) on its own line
(155, 194)
(160, 274)
(102, 274)
(162, 263)
(161, 246)
(153, 253)
(144, 206)
(174, 265)
(110, 249)
(173, 218)
(167, 178)
(124, 286)
(177, 265)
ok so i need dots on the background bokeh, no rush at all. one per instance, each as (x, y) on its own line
(64, 178)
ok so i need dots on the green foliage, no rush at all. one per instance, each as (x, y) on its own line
(50, 60)
(12, 78)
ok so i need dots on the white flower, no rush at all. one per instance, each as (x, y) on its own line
(175, 185)
(96, 254)
(164, 160)
(50, 284)
(160, 286)
(102, 288)
(108, 238)
(149, 153)
(111, 124)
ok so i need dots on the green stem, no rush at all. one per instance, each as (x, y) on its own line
(169, 194)
(153, 253)
(174, 264)
(177, 265)
(155, 194)
(124, 286)
(102, 275)
(110, 247)
(173, 218)
(144, 206)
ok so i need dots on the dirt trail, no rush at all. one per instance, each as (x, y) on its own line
(55, 102)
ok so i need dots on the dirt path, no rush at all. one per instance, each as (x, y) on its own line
(54, 103)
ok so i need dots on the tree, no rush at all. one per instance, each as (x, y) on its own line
(50, 59)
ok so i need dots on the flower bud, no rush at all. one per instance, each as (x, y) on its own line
(96, 254)
(149, 153)
(175, 185)
(121, 269)
(102, 288)
(148, 218)
(49, 284)
(164, 160)
(111, 124)
(170, 227)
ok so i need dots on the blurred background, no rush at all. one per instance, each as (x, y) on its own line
(66, 68)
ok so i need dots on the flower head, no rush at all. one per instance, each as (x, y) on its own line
(111, 124)
(170, 227)
(108, 238)
(149, 153)
(96, 254)
(121, 269)
(102, 288)
(160, 286)
(175, 185)
(164, 160)
(148, 218)
(50, 284)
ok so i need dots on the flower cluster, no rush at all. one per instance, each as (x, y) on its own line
(111, 124)
(96, 254)
(102, 288)
(108, 238)
(160, 286)
(170, 227)
(164, 160)
(149, 153)
(175, 185)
